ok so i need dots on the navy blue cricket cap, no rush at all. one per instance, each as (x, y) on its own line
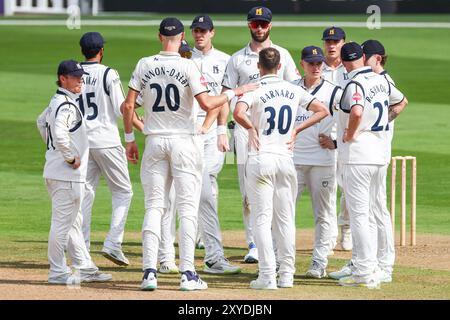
(92, 40)
(203, 22)
(371, 47)
(171, 27)
(70, 68)
(312, 54)
(333, 33)
(259, 13)
(351, 51)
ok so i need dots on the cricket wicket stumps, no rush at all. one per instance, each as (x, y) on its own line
(403, 198)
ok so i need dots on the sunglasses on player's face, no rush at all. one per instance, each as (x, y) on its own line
(259, 23)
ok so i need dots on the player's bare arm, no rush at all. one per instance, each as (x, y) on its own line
(320, 112)
(208, 102)
(396, 109)
(222, 138)
(326, 142)
(127, 108)
(353, 122)
(211, 116)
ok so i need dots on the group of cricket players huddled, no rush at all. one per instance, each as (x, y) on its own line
(330, 128)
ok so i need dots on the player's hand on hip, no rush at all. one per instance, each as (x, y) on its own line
(77, 163)
(132, 152)
(222, 143)
(326, 142)
(291, 142)
(253, 139)
(246, 88)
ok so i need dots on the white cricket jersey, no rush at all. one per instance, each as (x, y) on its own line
(375, 94)
(212, 66)
(168, 84)
(242, 69)
(100, 102)
(272, 109)
(307, 149)
(63, 129)
(391, 124)
(337, 76)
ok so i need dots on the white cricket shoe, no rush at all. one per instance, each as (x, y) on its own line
(263, 284)
(252, 255)
(221, 266)
(285, 280)
(115, 256)
(61, 279)
(149, 281)
(191, 281)
(95, 277)
(346, 271)
(383, 276)
(346, 238)
(316, 271)
(168, 267)
(352, 281)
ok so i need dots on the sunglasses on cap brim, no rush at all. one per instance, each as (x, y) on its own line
(256, 23)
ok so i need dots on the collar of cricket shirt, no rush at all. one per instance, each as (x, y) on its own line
(169, 53)
(249, 51)
(312, 90)
(355, 72)
(200, 53)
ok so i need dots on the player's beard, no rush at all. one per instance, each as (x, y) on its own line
(260, 39)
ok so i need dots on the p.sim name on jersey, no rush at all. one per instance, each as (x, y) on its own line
(277, 93)
(161, 71)
(374, 90)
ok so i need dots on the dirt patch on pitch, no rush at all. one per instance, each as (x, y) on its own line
(28, 279)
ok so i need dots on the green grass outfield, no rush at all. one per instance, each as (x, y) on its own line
(418, 61)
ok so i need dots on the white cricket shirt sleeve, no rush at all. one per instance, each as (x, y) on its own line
(196, 80)
(115, 89)
(291, 72)
(66, 119)
(42, 124)
(353, 95)
(135, 81)
(246, 98)
(231, 76)
(305, 99)
(395, 96)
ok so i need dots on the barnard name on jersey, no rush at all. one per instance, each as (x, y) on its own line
(272, 94)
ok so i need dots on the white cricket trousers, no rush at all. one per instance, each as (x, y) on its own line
(208, 219)
(321, 183)
(272, 189)
(168, 159)
(241, 147)
(386, 244)
(343, 217)
(363, 185)
(111, 163)
(65, 230)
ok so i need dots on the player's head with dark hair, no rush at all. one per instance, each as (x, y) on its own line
(269, 61)
(91, 44)
(374, 54)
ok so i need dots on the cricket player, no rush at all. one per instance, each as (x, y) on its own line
(375, 57)
(315, 165)
(63, 129)
(334, 71)
(368, 103)
(173, 150)
(241, 69)
(100, 101)
(270, 171)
